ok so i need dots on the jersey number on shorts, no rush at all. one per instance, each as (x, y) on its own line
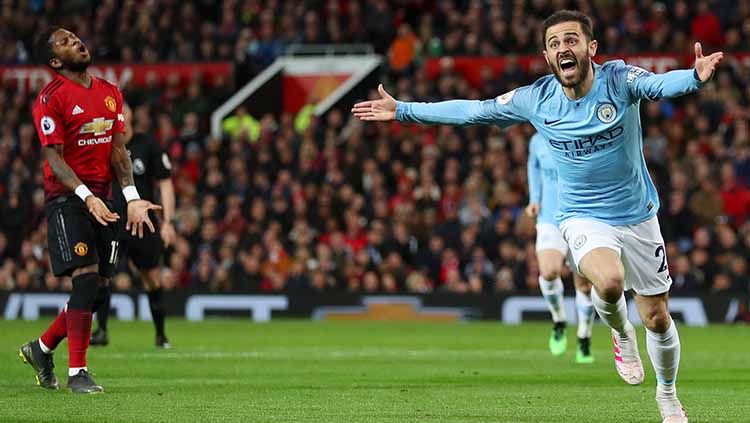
(660, 253)
(113, 252)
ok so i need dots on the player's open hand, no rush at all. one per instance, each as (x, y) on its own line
(138, 216)
(532, 209)
(706, 65)
(100, 211)
(168, 234)
(377, 110)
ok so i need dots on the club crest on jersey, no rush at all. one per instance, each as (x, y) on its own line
(98, 126)
(110, 103)
(579, 241)
(81, 249)
(47, 124)
(606, 112)
(138, 167)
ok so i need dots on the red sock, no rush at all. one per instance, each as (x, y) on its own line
(79, 334)
(56, 332)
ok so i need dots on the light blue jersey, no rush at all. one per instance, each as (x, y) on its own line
(596, 141)
(542, 180)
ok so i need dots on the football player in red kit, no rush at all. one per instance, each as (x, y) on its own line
(80, 124)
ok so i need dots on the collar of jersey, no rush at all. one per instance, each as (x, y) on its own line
(76, 84)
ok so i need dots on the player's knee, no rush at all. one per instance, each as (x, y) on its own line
(549, 274)
(150, 279)
(91, 268)
(103, 294)
(85, 288)
(583, 287)
(550, 264)
(611, 285)
(657, 320)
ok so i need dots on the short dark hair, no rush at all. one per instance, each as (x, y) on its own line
(43, 47)
(568, 16)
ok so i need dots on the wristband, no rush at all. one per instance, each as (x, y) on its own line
(695, 75)
(82, 191)
(130, 193)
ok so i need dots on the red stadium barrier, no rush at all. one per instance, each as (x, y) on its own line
(24, 78)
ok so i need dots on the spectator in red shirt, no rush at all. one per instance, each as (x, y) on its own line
(706, 26)
(735, 196)
(355, 238)
(451, 200)
(404, 197)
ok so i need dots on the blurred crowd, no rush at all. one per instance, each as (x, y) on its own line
(254, 32)
(336, 205)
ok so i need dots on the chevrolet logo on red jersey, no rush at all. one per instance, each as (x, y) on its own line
(98, 126)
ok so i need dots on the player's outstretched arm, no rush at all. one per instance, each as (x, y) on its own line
(452, 112)
(705, 66)
(123, 170)
(643, 84)
(166, 191)
(383, 109)
(54, 156)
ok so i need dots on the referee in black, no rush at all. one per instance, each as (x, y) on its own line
(151, 167)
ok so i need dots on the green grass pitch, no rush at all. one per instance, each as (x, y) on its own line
(302, 371)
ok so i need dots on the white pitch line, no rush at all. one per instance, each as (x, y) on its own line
(308, 354)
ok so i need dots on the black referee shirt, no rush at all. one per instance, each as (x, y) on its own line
(150, 165)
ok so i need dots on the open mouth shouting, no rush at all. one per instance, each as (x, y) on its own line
(568, 66)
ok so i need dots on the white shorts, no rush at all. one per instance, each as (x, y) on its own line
(549, 237)
(640, 247)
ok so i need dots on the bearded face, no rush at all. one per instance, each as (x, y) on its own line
(70, 52)
(571, 69)
(568, 53)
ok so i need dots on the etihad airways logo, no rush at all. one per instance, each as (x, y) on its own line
(587, 145)
(98, 126)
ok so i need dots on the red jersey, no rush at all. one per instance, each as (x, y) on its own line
(83, 120)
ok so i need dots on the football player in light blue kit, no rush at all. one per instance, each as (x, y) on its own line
(551, 251)
(589, 116)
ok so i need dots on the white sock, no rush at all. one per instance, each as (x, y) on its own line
(74, 370)
(553, 293)
(664, 351)
(585, 309)
(45, 349)
(614, 315)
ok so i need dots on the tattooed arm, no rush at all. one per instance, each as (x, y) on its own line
(54, 156)
(119, 159)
